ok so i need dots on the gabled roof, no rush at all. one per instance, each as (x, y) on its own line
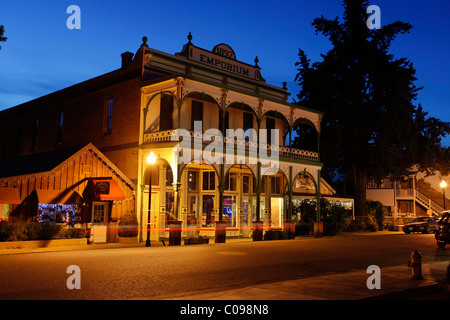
(51, 162)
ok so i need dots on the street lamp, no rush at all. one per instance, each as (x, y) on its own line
(151, 159)
(443, 186)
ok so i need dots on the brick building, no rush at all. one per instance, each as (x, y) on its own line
(73, 140)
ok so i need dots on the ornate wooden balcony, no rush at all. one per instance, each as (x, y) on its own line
(286, 152)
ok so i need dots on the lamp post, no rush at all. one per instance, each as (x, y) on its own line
(150, 160)
(443, 186)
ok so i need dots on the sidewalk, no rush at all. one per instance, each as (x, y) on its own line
(395, 285)
(395, 281)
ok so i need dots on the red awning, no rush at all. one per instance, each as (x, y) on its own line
(58, 197)
(10, 196)
(107, 189)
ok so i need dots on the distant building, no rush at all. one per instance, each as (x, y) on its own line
(86, 147)
(415, 195)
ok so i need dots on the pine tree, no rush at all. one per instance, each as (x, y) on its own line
(371, 128)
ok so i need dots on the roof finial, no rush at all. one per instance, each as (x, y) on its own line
(189, 37)
(256, 61)
(144, 41)
(284, 85)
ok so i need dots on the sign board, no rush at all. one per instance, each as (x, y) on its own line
(102, 187)
(223, 58)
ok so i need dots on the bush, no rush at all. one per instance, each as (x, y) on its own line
(302, 229)
(376, 211)
(128, 225)
(275, 235)
(20, 230)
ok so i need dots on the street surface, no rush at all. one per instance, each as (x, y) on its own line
(176, 271)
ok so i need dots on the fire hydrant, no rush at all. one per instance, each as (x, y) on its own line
(415, 264)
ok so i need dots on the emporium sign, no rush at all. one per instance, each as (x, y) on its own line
(223, 58)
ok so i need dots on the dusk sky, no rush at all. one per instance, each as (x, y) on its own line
(42, 55)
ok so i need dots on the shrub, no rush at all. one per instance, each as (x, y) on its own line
(302, 229)
(275, 235)
(128, 225)
(375, 210)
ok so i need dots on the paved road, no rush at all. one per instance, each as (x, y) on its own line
(171, 272)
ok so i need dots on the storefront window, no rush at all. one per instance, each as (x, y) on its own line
(208, 210)
(246, 184)
(169, 208)
(56, 213)
(192, 180)
(192, 211)
(209, 181)
(5, 210)
(230, 181)
(229, 210)
(98, 213)
(275, 185)
(169, 176)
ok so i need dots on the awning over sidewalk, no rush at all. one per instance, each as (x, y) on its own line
(58, 197)
(10, 196)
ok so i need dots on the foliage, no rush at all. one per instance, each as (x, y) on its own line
(2, 38)
(20, 230)
(128, 225)
(331, 214)
(370, 127)
(275, 235)
(375, 210)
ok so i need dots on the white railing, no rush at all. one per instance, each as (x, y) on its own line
(166, 136)
(427, 202)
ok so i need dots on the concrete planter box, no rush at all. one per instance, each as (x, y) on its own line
(32, 244)
(189, 241)
(257, 231)
(127, 239)
(318, 229)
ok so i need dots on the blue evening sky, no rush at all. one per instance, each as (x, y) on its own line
(42, 55)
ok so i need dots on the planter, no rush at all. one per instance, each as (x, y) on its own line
(127, 239)
(221, 232)
(289, 227)
(257, 231)
(189, 241)
(32, 244)
(318, 229)
(175, 233)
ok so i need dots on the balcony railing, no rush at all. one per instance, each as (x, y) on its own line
(166, 136)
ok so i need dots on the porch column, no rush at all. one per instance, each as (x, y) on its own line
(141, 213)
(239, 202)
(268, 202)
(290, 192)
(258, 192)
(183, 203)
(162, 201)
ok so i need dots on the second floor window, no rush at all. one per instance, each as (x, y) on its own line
(166, 112)
(270, 125)
(196, 112)
(108, 115)
(209, 180)
(34, 143)
(19, 140)
(59, 130)
(5, 143)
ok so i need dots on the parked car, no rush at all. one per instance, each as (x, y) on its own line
(421, 224)
(442, 233)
